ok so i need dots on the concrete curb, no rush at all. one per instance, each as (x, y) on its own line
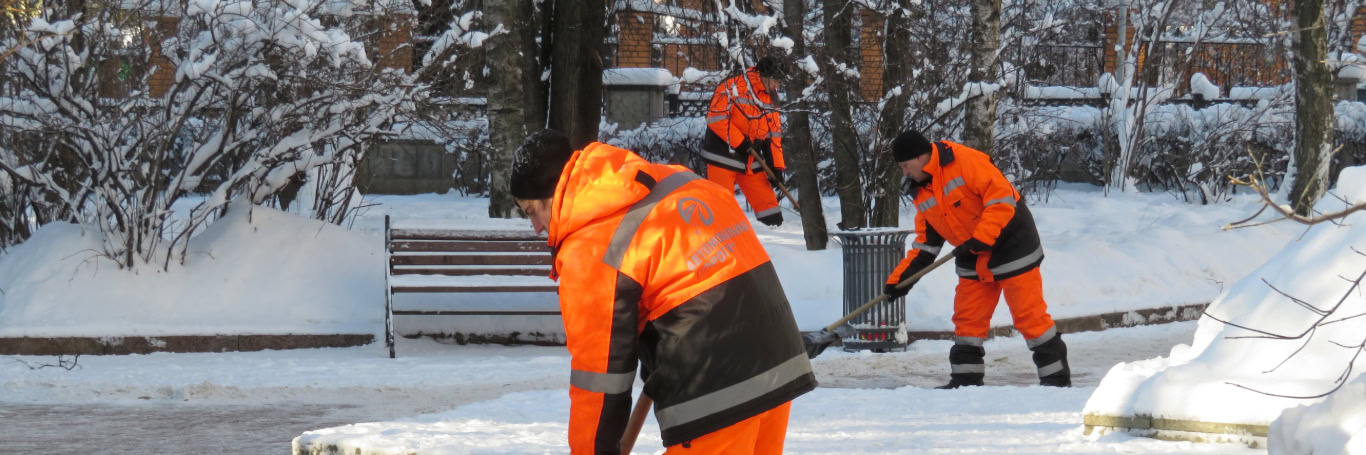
(178, 343)
(1253, 435)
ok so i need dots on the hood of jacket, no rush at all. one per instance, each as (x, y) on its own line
(597, 182)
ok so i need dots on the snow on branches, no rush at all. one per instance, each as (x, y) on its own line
(261, 96)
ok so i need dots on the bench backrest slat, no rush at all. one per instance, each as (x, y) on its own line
(460, 246)
(539, 259)
(451, 234)
(471, 271)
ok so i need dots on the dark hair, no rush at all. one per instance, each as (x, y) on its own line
(538, 163)
(908, 145)
(768, 67)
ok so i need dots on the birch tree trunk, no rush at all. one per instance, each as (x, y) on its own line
(979, 116)
(797, 134)
(576, 69)
(1314, 106)
(507, 124)
(839, 87)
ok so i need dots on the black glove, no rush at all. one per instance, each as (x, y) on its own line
(894, 292)
(972, 246)
(775, 220)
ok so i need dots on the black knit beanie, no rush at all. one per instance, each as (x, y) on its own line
(768, 67)
(537, 165)
(909, 145)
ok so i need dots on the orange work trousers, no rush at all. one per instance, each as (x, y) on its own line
(975, 301)
(762, 434)
(757, 190)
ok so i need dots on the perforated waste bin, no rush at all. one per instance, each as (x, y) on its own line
(870, 255)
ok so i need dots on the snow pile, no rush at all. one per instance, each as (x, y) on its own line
(1305, 294)
(258, 271)
(1335, 426)
(1201, 85)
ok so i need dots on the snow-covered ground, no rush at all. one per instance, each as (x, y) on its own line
(273, 273)
(494, 399)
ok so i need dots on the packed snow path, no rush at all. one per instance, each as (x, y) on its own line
(248, 403)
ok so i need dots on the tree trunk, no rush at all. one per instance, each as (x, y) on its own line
(507, 124)
(839, 87)
(797, 134)
(892, 119)
(576, 69)
(1314, 106)
(534, 56)
(979, 116)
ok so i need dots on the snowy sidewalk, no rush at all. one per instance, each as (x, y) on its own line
(516, 397)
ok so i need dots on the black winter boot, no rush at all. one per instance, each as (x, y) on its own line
(1050, 356)
(968, 363)
(955, 381)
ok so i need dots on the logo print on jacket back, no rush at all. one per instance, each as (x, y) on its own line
(689, 207)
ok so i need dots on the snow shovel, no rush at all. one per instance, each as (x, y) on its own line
(816, 342)
(774, 177)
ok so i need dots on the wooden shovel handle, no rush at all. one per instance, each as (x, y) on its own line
(628, 439)
(882, 297)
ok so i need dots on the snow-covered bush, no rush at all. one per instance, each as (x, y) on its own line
(260, 93)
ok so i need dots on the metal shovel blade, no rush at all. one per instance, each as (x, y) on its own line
(816, 342)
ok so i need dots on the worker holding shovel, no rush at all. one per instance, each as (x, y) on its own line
(661, 268)
(963, 199)
(744, 140)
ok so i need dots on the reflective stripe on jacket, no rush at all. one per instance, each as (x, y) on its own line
(968, 197)
(658, 265)
(741, 116)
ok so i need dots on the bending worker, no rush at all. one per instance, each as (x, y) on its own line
(659, 266)
(960, 197)
(741, 118)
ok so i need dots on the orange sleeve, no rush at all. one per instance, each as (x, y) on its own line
(924, 249)
(600, 322)
(998, 197)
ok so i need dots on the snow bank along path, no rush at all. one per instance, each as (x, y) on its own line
(1291, 328)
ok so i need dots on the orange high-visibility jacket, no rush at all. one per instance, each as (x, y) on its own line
(659, 266)
(742, 115)
(968, 197)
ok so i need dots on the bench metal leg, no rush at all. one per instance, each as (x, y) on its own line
(388, 292)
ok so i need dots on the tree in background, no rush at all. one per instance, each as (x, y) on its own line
(576, 69)
(979, 117)
(841, 76)
(260, 95)
(797, 143)
(1313, 106)
(507, 120)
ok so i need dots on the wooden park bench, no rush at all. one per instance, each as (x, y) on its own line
(466, 273)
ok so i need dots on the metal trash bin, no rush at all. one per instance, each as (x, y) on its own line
(870, 255)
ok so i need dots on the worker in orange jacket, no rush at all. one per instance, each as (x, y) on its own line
(961, 198)
(742, 117)
(660, 267)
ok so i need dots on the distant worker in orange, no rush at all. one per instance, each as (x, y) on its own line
(960, 197)
(742, 117)
(660, 267)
